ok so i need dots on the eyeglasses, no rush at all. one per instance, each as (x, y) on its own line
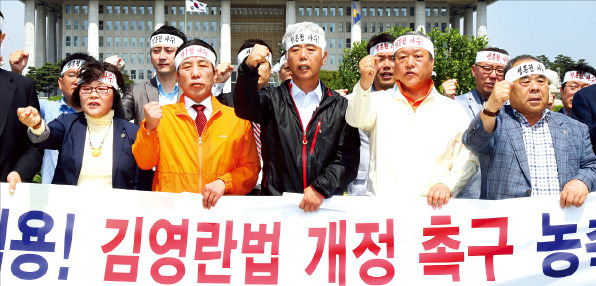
(488, 70)
(101, 90)
(574, 87)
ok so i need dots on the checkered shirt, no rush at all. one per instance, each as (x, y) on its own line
(541, 155)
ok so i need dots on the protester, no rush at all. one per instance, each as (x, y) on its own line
(415, 133)
(282, 69)
(583, 108)
(197, 145)
(379, 46)
(19, 158)
(524, 148)
(163, 87)
(554, 83)
(576, 77)
(308, 147)
(95, 144)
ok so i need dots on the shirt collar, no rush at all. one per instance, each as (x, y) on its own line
(188, 103)
(478, 95)
(297, 92)
(545, 116)
(162, 91)
(64, 106)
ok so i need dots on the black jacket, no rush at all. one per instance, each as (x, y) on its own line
(326, 157)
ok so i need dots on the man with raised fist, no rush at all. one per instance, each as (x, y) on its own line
(524, 148)
(307, 146)
(415, 133)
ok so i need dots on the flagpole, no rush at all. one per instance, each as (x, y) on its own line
(185, 12)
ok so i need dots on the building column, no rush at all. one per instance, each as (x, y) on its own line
(290, 12)
(226, 39)
(481, 16)
(40, 36)
(455, 18)
(420, 17)
(59, 37)
(93, 29)
(159, 14)
(52, 37)
(356, 33)
(29, 44)
(469, 22)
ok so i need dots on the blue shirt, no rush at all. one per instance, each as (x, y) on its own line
(49, 111)
(167, 97)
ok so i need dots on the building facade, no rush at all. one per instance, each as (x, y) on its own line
(123, 28)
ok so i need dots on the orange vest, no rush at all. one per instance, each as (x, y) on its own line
(186, 162)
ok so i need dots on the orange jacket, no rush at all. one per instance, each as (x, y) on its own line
(186, 162)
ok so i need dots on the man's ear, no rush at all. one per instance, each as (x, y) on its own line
(324, 57)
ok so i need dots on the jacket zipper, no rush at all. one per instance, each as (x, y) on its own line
(314, 140)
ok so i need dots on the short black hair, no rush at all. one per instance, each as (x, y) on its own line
(196, 42)
(517, 59)
(379, 38)
(76, 56)
(494, 49)
(582, 68)
(252, 42)
(165, 29)
(92, 71)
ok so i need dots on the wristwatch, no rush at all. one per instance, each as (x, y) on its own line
(488, 113)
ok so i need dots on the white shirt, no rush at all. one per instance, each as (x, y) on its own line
(306, 103)
(412, 151)
(188, 103)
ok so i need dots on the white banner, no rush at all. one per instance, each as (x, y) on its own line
(65, 235)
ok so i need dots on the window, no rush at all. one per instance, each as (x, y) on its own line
(100, 9)
(181, 28)
(396, 12)
(125, 9)
(205, 26)
(133, 58)
(388, 12)
(124, 25)
(331, 43)
(76, 9)
(443, 11)
(125, 57)
(213, 10)
(109, 25)
(85, 9)
(332, 27)
(116, 42)
(340, 43)
(133, 73)
(116, 9)
(332, 59)
(173, 10)
(213, 26)
(150, 25)
(436, 12)
(325, 11)
(340, 27)
(166, 10)
(214, 43)
(443, 27)
(308, 11)
(108, 42)
(316, 11)
(68, 41)
(150, 10)
(109, 9)
(69, 25)
(364, 27)
(133, 25)
(101, 41)
(348, 27)
(116, 25)
(372, 27)
(339, 58)
(412, 13)
(372, 11)
(100, 57)
(411, 26)
(348, 43)
(427, 12)
(141, 25)
(379, 27)
(68, 9)
(75, 42)
(301, 11)
(332, 11)
(174, 24)
(404, 12)
(76, 24)
(84, 25)
(427, 27)
(142, 42)
(124, 42)
(141, 74)
(141, 58)
(387, 27)
(133, 42)
(133, 10)
(380, 12)
(198, 26)
(142, 10)
(364, 11)
(188, 27)
(341, 11)
(325, 27)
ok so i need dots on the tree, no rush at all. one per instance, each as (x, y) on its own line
(454, 57)
(560, 64)
(127, 82)
(45, 78)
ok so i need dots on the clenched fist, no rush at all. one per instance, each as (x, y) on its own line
(153, 115)
(499, 96)
(450, 88)
(367, 72)
(257, 56)
(18, 61)
(29, 116)
(223, 72)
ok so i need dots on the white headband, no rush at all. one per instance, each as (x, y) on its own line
(381, 47)
(580, 76)
(305, 38)
(74, 64)
(525, 69)
(492, 57)
(414, 41)
(278, 66)
(195, 51)
(109, 78)
(166, 40)
(244, 54)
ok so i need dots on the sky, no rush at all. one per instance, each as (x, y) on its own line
(521, 27)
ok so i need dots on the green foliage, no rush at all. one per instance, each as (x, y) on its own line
(55, 98)
(37, 178)
(454, 57)
(326, 76)
(45, 78)
(127, 82)
(556, 108)
(560, 64)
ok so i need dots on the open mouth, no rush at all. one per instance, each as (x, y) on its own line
(94, 104)
(303, 67)
(387, 75)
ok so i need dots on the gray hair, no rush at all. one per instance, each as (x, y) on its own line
(302, 27)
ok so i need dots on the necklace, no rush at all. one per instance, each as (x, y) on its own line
(97, 151)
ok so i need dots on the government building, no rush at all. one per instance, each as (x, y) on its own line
(123, 28)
